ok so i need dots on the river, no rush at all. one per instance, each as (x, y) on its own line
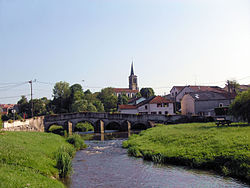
(106, 164)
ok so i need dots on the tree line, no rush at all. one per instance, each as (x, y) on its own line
(70, 99)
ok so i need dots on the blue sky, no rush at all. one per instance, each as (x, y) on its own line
(172, 42)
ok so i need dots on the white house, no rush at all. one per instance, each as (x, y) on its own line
(152, 105)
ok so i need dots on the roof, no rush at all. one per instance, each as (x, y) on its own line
(126, 106)
(158, 99)
(208, 96)
(125, 90)
(179, 88)
(7, 105)
(154, 100)
(207, 88)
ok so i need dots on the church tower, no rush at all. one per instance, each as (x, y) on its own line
(133, 79)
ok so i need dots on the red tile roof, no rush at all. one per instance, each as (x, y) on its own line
(126, 106)
(159, 99)
(125, 90)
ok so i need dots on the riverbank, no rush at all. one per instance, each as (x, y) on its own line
(198, 145)
(27, 159)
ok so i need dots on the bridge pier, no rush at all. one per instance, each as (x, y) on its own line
(126, 126)
(99, 127)
(69, 128)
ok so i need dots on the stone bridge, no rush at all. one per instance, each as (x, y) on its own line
(102, 121)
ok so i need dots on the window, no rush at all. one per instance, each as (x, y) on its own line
(165, 104)
(166, 112)
(221, 105)
(153, 113)
(159, 112)
(146, 107)
(159, 105)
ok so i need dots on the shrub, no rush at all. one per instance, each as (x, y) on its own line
(84, 127)
(56, 129)
(64, 161)
(77, 141)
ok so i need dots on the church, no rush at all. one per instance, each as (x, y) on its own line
(133, 86)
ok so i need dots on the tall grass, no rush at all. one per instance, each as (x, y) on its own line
(198, 145)
(64, 160)
(77, 141)
(27, 159)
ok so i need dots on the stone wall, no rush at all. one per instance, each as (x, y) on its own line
(33, 124)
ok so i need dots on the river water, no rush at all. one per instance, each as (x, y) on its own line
(106, 164)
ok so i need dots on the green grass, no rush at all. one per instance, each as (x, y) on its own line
(28, 159)
(198, 145)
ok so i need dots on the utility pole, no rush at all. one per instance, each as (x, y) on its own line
(229, 91)
(32, 107)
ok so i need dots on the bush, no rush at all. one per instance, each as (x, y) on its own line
(241, 106)
(64, 161)
(56, 129)
(77, 141)
(84, 127)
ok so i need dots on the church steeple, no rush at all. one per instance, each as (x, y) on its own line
(132, 69)
(133, 79)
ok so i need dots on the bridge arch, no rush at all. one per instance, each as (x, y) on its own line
(139, 125)
(113, 125)
(83, 121)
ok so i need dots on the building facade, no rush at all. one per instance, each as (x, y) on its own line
(203, 103)
(152, 105)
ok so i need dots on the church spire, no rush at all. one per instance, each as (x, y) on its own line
(132, 69)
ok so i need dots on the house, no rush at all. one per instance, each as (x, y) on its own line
(136, 101)
(175, 90)
(192, 89)
(5, 108)
(203, 102)
(133, 86)
(152, 105)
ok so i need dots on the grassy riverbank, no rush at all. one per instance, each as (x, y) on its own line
(198, 145)
(28, 159)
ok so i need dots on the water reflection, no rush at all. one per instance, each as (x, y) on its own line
(108, 135)
(106, 164)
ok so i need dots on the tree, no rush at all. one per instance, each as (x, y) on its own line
(123, 99)
(24, 106)
(99, 106)
(91, 108)
(109, 100)
(40, 106)
(147, 92)
(232, 86)
(79, 106)
(241, 106)
(61, 93)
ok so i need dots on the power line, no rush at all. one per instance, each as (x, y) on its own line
(14, 96)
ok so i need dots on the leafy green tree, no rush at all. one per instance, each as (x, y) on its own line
(99, 106)
(147, 92)
(40, 106)
(24, 106)
(61, 93)
(123, 99)
(232, 86)
(109, 100)
(241, 106)
(79, 106)
(91, 108)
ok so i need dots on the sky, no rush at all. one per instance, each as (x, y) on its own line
(93, 42)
